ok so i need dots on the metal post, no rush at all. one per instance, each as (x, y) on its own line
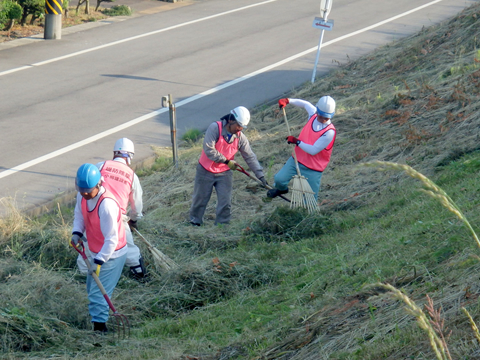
(325, 6)
(53, 19)
(173, 129)
(318, 56)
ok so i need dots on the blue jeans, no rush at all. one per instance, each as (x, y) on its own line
(109, 275)
(283, 177)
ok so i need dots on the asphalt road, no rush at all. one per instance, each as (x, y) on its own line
(65, 102)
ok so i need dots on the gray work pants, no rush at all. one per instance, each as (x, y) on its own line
(202, 191)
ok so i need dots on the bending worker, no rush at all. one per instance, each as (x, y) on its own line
(222, 140)
(99, 215)
(313, 146)
(124, 184)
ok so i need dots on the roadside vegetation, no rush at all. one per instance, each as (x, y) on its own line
(22, 18)
(388, 269)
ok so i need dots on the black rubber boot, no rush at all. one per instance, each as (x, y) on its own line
(101, 327)
(139, 271)
(273, 193)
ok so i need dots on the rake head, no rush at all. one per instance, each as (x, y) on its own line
(302, 195)
(121, 326)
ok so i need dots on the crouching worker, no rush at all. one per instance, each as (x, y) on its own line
(98, 215)
(222, 140)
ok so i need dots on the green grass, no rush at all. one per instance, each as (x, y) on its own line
(285, 273)
(191, 136)
(118, 10)
(403, 232)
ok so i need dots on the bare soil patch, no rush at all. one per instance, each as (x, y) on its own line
(19, 31)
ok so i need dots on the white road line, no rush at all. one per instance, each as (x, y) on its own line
(40, 63)
(196, 97)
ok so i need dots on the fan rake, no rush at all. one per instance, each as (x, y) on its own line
(302, 193)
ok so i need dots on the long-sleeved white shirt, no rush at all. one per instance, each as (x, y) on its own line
(108, 212)
(324, 140)
(136, 195)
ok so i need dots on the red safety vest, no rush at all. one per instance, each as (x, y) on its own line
(319, 161)
(224, 148)
(118, 180)
(92, 225)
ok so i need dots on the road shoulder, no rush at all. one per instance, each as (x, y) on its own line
(140, 8)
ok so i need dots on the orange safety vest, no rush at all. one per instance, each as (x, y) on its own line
(92, 225)
(224, 148)
(118, 180)
(319, 161)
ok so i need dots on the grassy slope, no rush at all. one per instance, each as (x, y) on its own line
(276, 283)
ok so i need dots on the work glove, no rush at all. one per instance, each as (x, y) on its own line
(283, 102)
(264, 182)
(76, 239)
(292, 140)
(132, 224)
(97, 264)
(231, 164)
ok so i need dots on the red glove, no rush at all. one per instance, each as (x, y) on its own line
(282, 103)
(292, 140)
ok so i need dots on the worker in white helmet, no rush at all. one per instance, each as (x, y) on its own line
(222, 140)
(313, 146)
(122, 181)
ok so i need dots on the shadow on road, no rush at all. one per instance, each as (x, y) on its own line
(130, 77)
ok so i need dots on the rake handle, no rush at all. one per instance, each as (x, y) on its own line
(242, 170)
(289, 133)
(95, 277)
(150, 246)
(166, 262)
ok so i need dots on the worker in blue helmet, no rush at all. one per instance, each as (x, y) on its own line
(98, 215)
(121, 180)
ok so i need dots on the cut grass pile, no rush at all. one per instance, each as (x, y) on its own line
(280, 283)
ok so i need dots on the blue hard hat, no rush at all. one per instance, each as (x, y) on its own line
(88, 177)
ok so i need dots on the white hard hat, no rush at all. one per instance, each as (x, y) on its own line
(326, 107)
(124, 145)
(124, 148)
(242, 115)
